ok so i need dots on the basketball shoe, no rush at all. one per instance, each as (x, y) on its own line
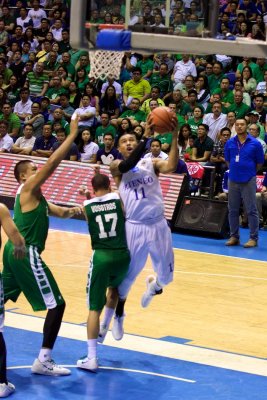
(91, 364)
(152, 289)
(48, 367)
(6, 389)
(117, 328)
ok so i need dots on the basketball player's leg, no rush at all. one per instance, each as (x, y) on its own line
(113, 300)
(136, 240)
(6, 388)
(111, 304)
(104, 272)
(37, 283)
(97, 284)
(162, 257)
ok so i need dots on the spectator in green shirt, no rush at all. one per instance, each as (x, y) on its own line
(247, 62)
(81, 79)
(12, 119)
(165, 140)
(261, 62)
(195, 121)
(65, 62)
(55, 90)
(51, 65)
(3, 36)
(134, 113)
(227, 96)
(83, 62)
(8, 19)
(162, 80)
(216, 77)
(146, 65)
(104, 128)
(188, 109)
(6, 72)
(57, 116)
(240, 108)
(95, 18)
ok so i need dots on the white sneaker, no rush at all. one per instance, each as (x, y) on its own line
(102, 333)
(117, 329)
(6, 389)
(91, 364)
(151, 284)
(48, 367)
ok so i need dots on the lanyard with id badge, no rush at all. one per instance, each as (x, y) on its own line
(239, 145)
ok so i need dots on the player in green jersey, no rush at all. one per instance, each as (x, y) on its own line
(6, 388)
(110, 259)
(30, 275)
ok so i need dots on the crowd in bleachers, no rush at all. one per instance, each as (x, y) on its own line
(44, 82)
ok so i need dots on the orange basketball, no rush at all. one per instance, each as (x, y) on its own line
(161, 118)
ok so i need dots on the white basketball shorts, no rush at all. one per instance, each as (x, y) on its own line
(143, 240)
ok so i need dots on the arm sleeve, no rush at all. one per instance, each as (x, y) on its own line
(131, 162)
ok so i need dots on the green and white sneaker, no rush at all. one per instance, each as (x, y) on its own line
(6, 389)
(49, 367)
(91, 364)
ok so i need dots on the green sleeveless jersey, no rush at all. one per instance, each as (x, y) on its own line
(106, 222)
(33, 225)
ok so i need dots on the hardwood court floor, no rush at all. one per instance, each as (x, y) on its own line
(216, 302)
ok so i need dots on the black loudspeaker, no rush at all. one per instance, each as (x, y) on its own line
(203, 217)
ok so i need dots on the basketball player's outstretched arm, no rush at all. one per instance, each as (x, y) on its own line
(63, 212)
(12, 232)
(169, 165)
(36, 181)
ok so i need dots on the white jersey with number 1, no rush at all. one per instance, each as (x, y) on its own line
(141, 194)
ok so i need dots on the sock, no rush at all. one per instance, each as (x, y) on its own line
(120, 308)
(52, 325)
(3, 378)
(44, 355)
(158, 286)
(107, 316)
(91, 343)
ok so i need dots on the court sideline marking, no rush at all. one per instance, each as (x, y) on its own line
(157, 347)
(136, 371)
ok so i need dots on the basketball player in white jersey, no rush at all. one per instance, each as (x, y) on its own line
(147, 230)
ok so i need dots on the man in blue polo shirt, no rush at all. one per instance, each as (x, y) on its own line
(43, 145)
(244, 156)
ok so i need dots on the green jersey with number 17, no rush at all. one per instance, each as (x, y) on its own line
(106, 222)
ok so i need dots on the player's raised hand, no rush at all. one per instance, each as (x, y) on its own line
(174, 123)
(149, 127)
(74, 125)
(83, 191)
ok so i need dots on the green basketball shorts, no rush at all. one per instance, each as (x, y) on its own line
(30, 276)
(107, 269)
